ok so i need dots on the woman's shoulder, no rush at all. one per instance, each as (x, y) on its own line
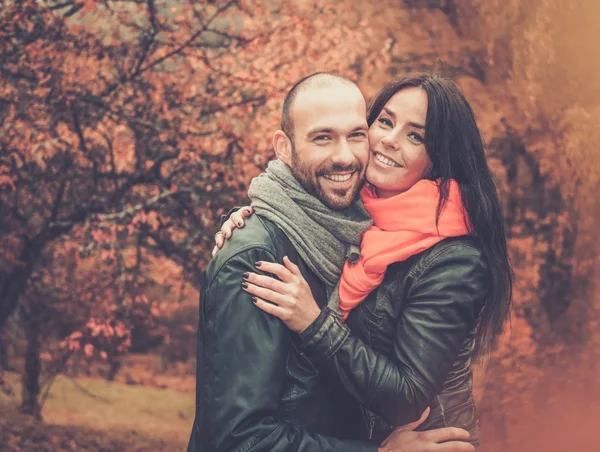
(465, 244)
(464, 252)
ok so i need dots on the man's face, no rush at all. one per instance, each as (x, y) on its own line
(331, 148)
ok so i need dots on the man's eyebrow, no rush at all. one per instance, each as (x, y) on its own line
(330, 130)
(320, 130)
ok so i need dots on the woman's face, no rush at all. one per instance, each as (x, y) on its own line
(398, 158)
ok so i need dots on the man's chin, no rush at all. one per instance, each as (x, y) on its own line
(335, 202)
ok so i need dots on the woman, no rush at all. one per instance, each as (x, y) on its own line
(432, 287)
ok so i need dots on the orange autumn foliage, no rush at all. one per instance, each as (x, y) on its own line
(129, 127)
(133, 119)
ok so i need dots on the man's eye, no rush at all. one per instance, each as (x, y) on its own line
(322, 138)
(385, 122)
(358, 135)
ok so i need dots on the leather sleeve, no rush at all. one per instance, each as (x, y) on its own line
(439, 313)
(244, 370)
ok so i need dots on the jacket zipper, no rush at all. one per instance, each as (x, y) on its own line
(370, 421)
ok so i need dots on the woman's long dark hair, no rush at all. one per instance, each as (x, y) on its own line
(455, 147)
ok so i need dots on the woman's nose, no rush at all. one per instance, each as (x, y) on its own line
(390, 141)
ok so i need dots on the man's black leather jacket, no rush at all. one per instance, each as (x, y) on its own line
(255, 390)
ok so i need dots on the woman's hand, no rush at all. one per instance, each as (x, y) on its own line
(446, 439)
(288, 298)
(236, 220)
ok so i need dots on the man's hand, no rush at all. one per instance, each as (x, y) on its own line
(405, 439)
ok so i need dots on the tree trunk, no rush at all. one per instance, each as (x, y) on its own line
(11, 290)
(4, 363)
(114, 367)
(32, 371)
(14, 285)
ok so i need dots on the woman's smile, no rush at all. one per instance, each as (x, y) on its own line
(384, 160)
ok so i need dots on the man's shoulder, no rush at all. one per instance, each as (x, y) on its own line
(258, 237)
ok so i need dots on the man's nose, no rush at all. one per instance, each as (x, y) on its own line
(343, 154)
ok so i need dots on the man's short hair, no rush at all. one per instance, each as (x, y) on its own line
(316, 79)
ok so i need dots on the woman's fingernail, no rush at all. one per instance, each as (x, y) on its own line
(245, 275)
(254, 300)
(258, 264)
(244, 285)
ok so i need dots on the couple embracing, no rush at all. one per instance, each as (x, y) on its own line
(371, 268)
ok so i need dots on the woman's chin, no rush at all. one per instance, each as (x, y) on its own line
(375, 178)
(385, 188)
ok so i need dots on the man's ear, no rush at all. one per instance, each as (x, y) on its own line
(283, 147)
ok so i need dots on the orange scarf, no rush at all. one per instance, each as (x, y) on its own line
(403, 225)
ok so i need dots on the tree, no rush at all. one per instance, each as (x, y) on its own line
(130, 124)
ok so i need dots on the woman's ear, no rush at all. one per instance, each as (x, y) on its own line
(283, 147)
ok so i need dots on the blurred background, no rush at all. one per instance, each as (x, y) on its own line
(129, 126)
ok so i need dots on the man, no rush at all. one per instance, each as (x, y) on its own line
(255, 390)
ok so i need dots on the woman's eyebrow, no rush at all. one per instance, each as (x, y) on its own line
(416, 125)
(389, 112)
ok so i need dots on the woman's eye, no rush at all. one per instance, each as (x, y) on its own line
(416, 137)
(385, 122)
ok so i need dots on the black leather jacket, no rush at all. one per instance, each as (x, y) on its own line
(255, 391)
(411, 341)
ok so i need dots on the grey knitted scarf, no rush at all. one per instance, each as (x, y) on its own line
(324, 238)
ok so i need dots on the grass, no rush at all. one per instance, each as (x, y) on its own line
(129, 415)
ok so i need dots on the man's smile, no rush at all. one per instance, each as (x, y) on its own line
(339, 177)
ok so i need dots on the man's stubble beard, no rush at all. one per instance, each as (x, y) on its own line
(309, 182)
